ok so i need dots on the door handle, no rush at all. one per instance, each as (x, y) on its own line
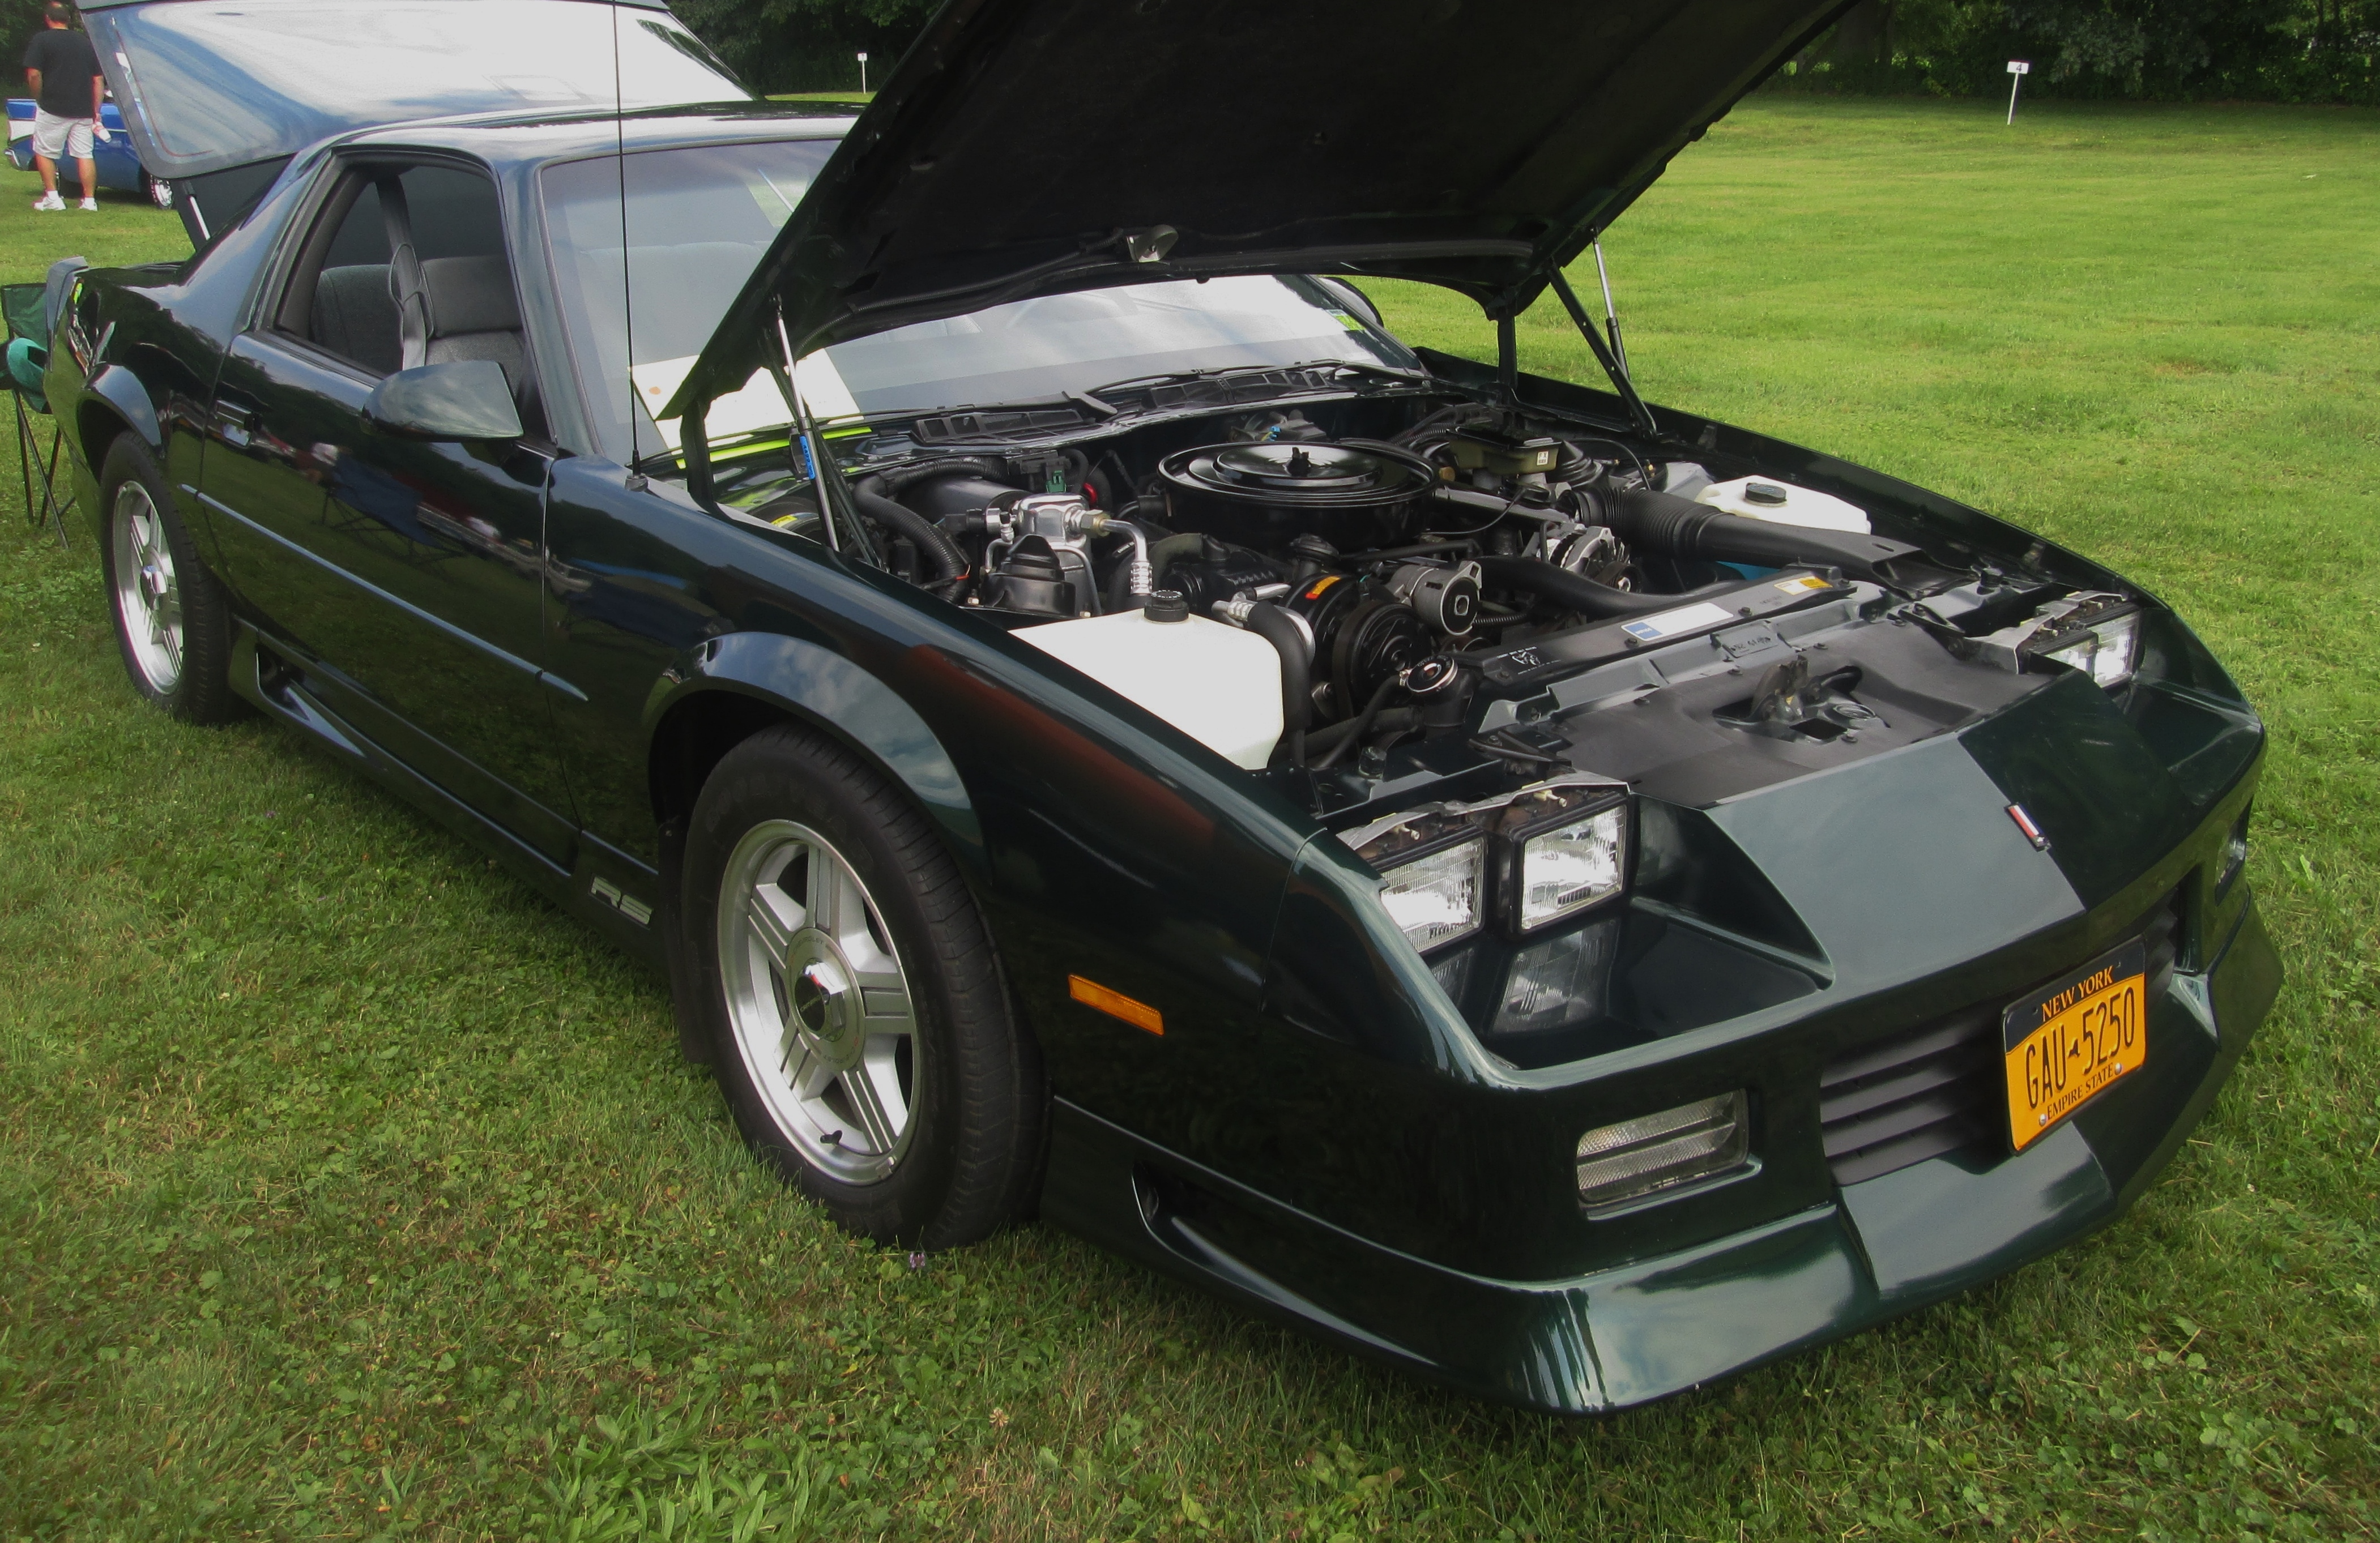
(235, 423)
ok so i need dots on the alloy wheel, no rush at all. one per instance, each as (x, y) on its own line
(818, 1003)
(148, 594)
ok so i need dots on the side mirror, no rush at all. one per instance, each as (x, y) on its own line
(465, 399)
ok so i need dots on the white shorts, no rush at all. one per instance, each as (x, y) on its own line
(55, 136)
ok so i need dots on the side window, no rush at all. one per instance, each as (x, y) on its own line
(347, 297)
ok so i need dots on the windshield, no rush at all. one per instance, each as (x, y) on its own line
(1033, 349)
(700, 219)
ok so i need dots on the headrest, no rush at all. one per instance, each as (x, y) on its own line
(470, 294)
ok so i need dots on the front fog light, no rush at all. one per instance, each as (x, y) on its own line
(2103, 650)
(1660, 1151)
(1436, 899)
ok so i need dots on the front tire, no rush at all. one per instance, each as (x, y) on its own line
(173, 620)
(160, 192)
(858, 1023)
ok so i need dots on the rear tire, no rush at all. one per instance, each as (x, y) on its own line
(160, 192)
(857, 1020)
(173, 620)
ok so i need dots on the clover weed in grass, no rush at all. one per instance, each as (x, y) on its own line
(348, 1191)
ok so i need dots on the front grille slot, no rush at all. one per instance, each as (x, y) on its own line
(1938, 1088)
(1886, 1105)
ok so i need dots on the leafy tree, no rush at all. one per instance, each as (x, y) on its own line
(806, 45)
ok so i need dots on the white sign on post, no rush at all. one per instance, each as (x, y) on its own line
(863, 72)
(2017, 70)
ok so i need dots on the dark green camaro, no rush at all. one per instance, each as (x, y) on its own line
(1566, 897)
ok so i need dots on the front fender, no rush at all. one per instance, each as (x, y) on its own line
(121, 391)
(815, 683)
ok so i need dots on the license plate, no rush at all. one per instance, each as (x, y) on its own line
(2073, 1042)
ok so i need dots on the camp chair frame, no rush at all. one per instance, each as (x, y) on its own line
(24, 309)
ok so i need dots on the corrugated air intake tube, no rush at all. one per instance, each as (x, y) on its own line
(1681, 529)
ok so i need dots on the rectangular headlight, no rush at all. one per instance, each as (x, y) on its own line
(1572, 867)
(2105, 650)
(1660, 1151)
(1435, 898)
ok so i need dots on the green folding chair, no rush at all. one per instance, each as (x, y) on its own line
(27, 309)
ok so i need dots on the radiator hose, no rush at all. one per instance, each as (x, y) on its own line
(1287, 634)
(1575, 591)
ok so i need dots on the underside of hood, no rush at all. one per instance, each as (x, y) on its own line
(1031, 146)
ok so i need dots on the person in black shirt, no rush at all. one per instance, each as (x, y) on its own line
(64, 75)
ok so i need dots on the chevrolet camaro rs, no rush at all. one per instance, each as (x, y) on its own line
(1554, 893)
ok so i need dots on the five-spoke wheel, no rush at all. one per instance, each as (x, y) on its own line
(817, 1001)
(845, 986)
(173, 620)
(148, 598)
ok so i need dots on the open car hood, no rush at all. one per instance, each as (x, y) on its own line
(1031, 146)
(208, 88)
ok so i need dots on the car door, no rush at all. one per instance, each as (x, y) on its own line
(402, 576)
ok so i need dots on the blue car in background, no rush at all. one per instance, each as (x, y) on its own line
(118, 164)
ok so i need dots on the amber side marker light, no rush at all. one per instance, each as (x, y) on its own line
(1115, 1004)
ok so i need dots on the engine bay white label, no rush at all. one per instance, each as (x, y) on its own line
(1669, 623)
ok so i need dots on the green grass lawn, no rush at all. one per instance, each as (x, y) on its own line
(347, 1190)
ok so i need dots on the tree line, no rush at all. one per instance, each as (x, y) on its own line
(2143, 50)
(2320, 50)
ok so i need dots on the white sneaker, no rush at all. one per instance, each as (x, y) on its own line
(49, 200)
(91, 206)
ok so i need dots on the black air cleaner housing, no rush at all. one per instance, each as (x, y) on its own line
(1355, 493)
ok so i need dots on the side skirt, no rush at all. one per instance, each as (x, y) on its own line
(604, 889)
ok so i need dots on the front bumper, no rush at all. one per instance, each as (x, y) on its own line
(1619, 1337)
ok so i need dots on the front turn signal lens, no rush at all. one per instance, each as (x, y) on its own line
(2235, 856)
(1652, 1153)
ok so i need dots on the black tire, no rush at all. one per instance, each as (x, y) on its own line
(969, 1078)
(190, 677)
(160, 192)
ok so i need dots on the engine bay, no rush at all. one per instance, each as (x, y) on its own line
(1454, 596)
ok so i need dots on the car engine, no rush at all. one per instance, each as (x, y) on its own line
(1461, 591)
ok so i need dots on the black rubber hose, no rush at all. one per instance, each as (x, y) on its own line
(1353, 732)
(1682, 528)
(1576, 592)
(1274, 626)
(900, 480)
(950, 564)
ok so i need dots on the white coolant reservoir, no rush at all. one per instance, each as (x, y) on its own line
(1218, 684)
(1765, 498)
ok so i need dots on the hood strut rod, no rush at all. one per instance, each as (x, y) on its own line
(1610, 311)
(826, 474)
(1638, 414)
